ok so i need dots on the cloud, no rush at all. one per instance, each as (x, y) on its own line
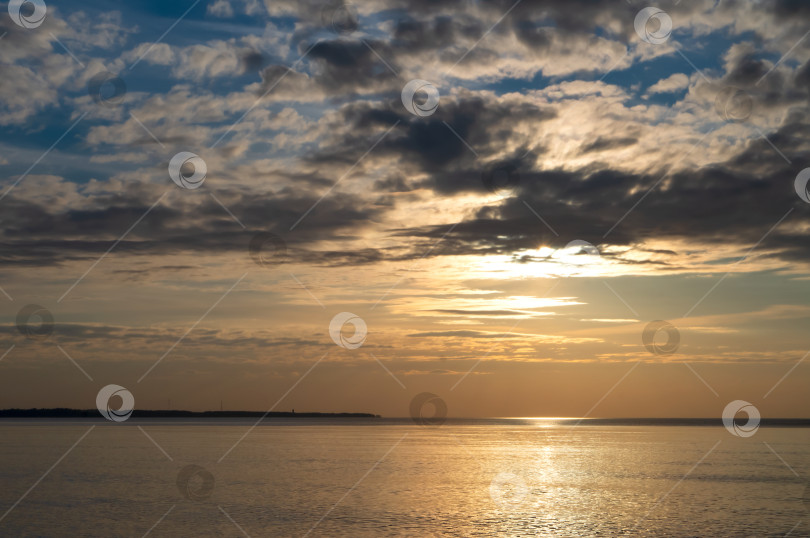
(673, 83)
(221, 8)
(599, 137)
(464, 334)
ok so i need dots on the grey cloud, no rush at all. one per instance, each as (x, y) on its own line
(737, 199)
(463, 334)
(602, 144)
(95, 333)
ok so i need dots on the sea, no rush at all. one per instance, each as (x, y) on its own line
(390, 477)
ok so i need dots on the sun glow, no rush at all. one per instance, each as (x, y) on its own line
(544, 262)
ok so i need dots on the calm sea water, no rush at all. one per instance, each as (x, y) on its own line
(489, 478)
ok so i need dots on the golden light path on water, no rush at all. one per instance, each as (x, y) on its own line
(515, 477)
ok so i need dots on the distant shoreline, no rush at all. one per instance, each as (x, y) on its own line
(172, 413)
(65, 413)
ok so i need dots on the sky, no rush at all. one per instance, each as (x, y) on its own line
(523, 208)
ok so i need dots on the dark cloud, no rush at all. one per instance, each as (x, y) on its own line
(439, 143)
(464, 334)
(393, 184)
(446, 155)
(604, 143)
(252, 60)
(483, 313)
(36, 236)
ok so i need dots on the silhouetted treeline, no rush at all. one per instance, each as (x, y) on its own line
(62, 412)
